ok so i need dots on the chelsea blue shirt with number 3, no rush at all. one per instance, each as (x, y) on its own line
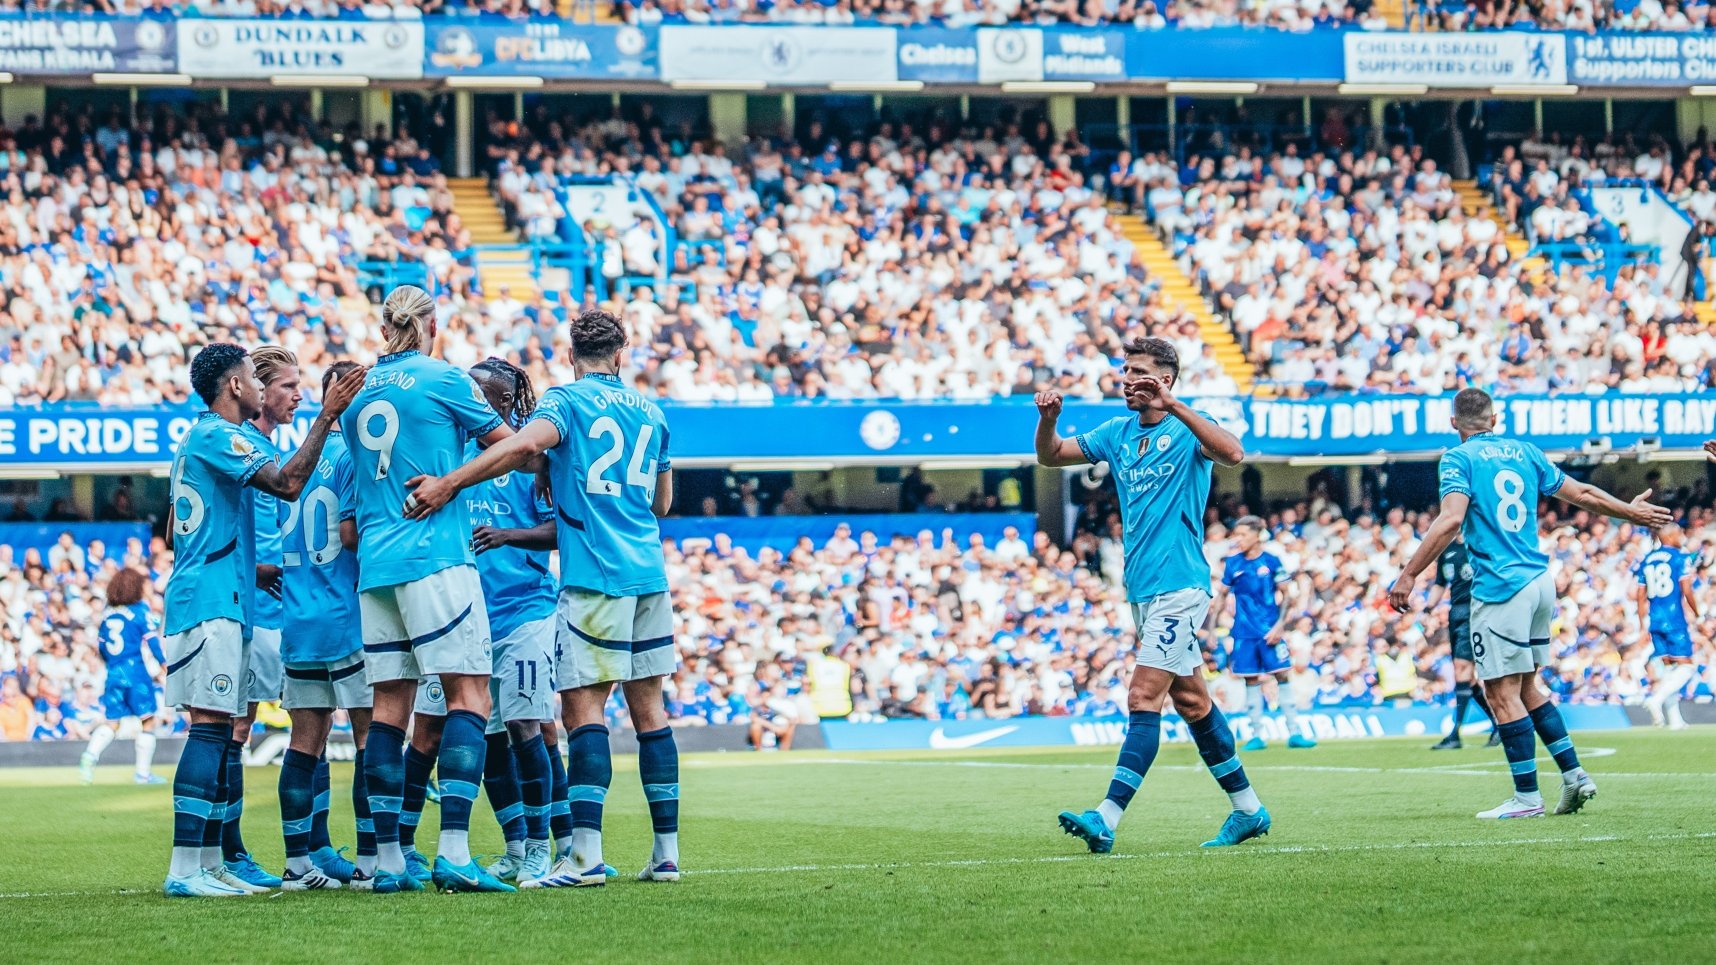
(412, 417)
(1503, 478)
(613, 442)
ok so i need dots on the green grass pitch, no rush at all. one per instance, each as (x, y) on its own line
(813, 857)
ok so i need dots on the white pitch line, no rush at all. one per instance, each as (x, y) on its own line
(1187, 852)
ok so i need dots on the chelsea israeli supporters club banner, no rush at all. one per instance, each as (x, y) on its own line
(222, 48)
(1455, 59)
(554, 50)
(86, 45)
(1321, 723)
(91, 439)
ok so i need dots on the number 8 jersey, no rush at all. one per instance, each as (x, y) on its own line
(412, 417)
(1503, 478)
(613, 442)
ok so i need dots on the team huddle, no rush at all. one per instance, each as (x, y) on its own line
(396, 566)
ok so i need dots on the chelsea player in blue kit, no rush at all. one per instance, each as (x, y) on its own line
(210, 594)
(420, 601)
(322, 655)
(1257, 581)
(1161, 459)
(1664, 597)
(128, 696)
(1490, 485)
(608, 464)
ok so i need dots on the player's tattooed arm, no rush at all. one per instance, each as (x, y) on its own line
(1436, 540)
(1054, 451)
(539, 537)
(287, 481)
(1640, 511)
(515, 452)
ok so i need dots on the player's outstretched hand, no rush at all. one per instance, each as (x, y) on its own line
(426, 495)
(1647, 513)
(341, 393)
(269, 579)
(485, 538)
(1049, 404)
(1400, 594)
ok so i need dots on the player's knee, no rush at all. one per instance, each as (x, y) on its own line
(520, 731)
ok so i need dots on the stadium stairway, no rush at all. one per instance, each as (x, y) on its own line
(1394, 11)
(1179, 290)
(1473, 200)
(496, 266)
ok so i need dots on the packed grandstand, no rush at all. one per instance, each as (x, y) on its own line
(916, 257)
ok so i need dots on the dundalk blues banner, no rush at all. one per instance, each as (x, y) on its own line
(1321, 723)
(385, 49)
(72, 438)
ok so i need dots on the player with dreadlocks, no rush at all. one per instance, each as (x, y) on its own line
(511, 530)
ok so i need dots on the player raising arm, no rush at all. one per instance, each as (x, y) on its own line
(1664, 598)
(1161, 460)
(611, 475)
(1490, 485)
(210, 594)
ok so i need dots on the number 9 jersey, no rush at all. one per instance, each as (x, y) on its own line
(613, 443)
(413, 417)
(1503, 479)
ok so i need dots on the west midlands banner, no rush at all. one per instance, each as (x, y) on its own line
(553, 50)
(86, 438)
(86, 45)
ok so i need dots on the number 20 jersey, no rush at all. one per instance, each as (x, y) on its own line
(320, 582)
(613, 442)
(412, 417)
(1503, 478)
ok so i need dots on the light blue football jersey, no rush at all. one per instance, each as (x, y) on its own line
(213, 520)
(1660, 573)
(516, 582)
(413, 417)
(270, 514)
(613, 442)
(1503, 478)
(321, 574)
(1163, 478)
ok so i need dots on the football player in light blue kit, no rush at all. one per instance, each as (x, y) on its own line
(322, 653)
(1490, 486)
(128, 696)
(277, 370)
(1161, 458)
(1257, 581)
(1664, 598)
(210, 593)
(611, 476)
(420, 600)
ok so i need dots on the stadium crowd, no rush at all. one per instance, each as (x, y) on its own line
(928, 625)
(1294, 15)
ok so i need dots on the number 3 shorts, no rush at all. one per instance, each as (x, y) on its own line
(1513, 636)
(436, 625)
(1167, 631)
(606, 639)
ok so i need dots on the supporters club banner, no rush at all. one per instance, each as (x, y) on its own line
(1455, 59)
(1321, 723)
(1642, 59)
(782, 56)
(74, 438)
(552, 50)
(938, 55)
(384, 49)
(1086, 54)
(86, 45)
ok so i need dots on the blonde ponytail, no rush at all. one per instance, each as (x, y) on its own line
(405, 319)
